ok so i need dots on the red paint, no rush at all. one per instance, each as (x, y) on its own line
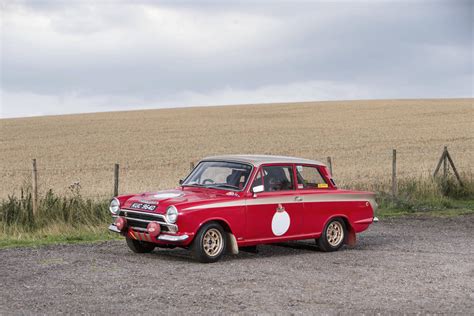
(249, 218)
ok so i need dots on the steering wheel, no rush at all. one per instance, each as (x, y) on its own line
(208, 180)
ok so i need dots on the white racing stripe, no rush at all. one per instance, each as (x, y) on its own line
(307, 198)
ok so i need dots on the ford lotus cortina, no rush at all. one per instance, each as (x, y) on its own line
(240, 201)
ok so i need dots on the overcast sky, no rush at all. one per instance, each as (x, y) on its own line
(77, 56)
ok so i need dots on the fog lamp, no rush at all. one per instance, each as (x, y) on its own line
(153, 229)
(120, 223)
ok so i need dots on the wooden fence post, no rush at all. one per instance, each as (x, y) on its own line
(191, 166)
(394, 174)
(116, 179)
(35, 188)
(330, 165)
(445, 163)
(448, 157)
(441, 160)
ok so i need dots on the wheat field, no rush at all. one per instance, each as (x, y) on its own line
(155, 147)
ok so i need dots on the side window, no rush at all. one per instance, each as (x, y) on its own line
(310, 178)
(258, 180)
(278, 178)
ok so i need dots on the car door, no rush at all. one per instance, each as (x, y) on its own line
(276, 213)
(316, 192)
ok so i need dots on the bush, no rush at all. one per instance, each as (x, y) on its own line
(73, 211)
(423, 194)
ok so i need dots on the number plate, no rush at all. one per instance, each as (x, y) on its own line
(143, 206)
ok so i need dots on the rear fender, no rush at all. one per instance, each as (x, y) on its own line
(351, 238)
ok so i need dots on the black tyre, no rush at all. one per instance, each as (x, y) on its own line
(139, 246)
(333, 236)
(210, 243)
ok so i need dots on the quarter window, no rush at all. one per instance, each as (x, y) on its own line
(278, 178)
(310, 178)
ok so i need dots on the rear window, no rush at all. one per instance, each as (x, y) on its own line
(310, 178)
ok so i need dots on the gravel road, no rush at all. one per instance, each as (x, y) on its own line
(399, 266)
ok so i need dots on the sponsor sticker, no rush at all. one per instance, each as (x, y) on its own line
(322, 185)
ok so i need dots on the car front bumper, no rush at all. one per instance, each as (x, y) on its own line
(161, 237)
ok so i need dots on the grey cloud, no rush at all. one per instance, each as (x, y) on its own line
(156, 51)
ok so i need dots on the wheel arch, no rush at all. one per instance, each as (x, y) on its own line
(225, 225)
(232, 246)
(350, 239)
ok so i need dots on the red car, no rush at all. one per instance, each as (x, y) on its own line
(240, 201)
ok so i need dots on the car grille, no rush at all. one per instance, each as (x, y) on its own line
(137, 219)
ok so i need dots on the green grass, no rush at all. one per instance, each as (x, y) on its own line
(64, 235)
(60, 219)
(426, 197)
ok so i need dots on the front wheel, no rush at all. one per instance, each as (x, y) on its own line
(210, 243)
(333, 236)
(139, 246)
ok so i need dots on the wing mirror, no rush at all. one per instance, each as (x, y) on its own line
(257, 189)
(181, 181)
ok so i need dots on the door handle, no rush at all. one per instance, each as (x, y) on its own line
(298, 198)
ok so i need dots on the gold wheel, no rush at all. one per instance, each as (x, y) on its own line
(212, 242)
(335, 234)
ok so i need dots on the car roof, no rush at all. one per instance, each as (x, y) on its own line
(258, 160)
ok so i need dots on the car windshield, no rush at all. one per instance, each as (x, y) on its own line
(219, 175)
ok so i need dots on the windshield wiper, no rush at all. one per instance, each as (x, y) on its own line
(192, 185)
(223, 185)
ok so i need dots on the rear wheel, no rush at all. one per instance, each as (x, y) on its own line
(139, 246)
(333, 236)
(210, 243)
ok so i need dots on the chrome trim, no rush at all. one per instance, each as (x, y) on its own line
(167, 215)
(148, 221)
(139, 229)
(114, 228)
(143, 220)
(375, 219)
(118, 201)
(173, 238)
(146, 213)
(163, 222)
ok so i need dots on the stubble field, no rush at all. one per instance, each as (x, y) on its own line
(155, 147)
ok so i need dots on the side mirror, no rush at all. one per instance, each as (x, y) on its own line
(181, 181)
(257, 189)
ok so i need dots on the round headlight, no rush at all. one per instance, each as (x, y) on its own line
(114, 206)
(171, 214)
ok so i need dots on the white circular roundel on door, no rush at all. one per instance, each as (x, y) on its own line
(280, 221)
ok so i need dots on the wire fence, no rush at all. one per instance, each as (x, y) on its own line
(90, 182)
(103, 182)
